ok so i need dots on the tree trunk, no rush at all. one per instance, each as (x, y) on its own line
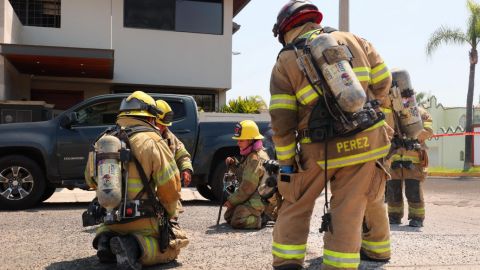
(468, 127)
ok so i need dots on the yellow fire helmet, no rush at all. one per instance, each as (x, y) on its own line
(165, 116)
(246, 130)
(138, 104)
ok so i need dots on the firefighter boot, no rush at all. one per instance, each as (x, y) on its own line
(415, 223)
(127, 251)
(104, 253)
(288, 267)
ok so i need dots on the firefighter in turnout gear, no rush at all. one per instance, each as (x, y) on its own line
(409, 168)
(245, 206)
(180, 154)
(312, 152)
(136, 235)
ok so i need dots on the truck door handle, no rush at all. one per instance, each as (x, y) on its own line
(182, 131)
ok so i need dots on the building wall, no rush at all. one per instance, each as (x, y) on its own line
(142, 56)
(12, 84)
(446, 152)
(84, 24)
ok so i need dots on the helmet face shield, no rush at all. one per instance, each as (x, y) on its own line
(167, 118)
(137, 106)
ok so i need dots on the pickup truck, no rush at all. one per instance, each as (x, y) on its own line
(38, 157)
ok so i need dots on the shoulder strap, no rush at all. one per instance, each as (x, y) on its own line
(299, 43)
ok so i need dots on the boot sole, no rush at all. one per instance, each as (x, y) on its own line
(123, 261)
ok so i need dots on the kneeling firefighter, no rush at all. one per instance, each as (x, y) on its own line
(245, 206)
(136, 179)
(410, 159)
(180, 153)
(325, 90)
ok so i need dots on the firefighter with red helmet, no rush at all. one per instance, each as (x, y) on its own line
(326, 88)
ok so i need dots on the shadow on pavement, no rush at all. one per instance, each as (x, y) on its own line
(92, 263)
(223, 227)
(404, 228)
(51, 206)
(316, 264)
(200, 203)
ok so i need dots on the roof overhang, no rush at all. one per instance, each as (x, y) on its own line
(60, 61)
(238, 5)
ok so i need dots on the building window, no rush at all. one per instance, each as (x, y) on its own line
(43, 13)
(196, 16)
(205, 103)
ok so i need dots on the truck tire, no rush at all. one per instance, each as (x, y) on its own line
(49, 190)
(205, 191)
(22, 182)
(216, 181)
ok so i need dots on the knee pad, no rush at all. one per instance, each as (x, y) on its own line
(412, 190)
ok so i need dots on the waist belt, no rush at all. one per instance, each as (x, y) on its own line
(407, 164)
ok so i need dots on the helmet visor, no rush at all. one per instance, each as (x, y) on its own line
(168, 118)
(138, 105)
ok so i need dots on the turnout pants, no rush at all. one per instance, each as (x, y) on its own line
(244, 216)
(413, 180)
(146, 233)
(354, 189)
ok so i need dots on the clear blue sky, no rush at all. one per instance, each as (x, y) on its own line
(399, 30)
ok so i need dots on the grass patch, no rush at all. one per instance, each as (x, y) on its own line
(440, 171)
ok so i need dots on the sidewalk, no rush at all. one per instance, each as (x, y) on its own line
(63, 195)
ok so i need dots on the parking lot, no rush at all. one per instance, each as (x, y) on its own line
(51, 236)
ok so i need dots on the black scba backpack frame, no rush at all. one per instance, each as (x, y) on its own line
(327, 119)
(146, 208)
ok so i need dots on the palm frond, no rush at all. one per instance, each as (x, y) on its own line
(473, 23)
(447, 36)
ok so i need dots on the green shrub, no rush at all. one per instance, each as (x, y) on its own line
(252, 104)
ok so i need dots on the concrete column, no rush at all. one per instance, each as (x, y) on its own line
(343, 23)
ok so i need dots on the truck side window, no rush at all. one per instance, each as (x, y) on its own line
(99, 114)
(178, 109)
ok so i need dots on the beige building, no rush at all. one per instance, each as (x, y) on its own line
(63, 51)
(448, 152)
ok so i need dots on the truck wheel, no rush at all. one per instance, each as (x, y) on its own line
(22, 183)
(49, 190)
(206, 192)
(216, 181)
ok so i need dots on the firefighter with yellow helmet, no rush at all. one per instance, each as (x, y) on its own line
(135, 229)
(245, 206)
(180, 153)
(326, 88)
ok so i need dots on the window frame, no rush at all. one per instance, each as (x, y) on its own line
(222, 23)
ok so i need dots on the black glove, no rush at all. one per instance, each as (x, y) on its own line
(271, 166)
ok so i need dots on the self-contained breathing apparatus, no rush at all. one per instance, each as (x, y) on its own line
(342, 108)
(408, 121)
(268, 184)
(111, 156)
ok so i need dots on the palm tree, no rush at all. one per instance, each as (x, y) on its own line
(447, 36)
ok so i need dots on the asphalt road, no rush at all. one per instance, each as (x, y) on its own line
(51, 236)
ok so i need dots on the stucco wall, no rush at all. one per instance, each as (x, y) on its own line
(446, 151)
